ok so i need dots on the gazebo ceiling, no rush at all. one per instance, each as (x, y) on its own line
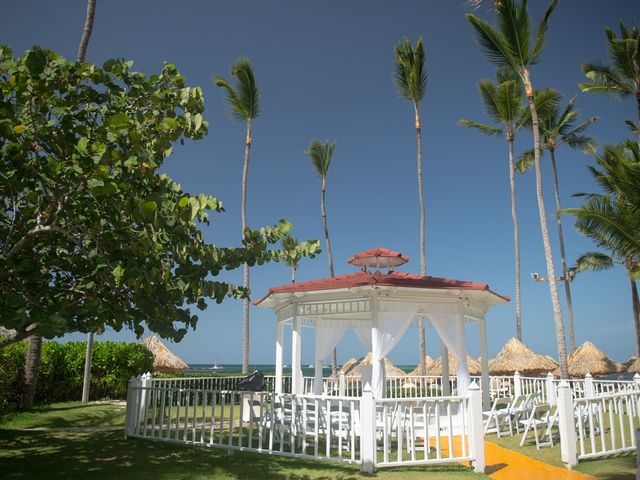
(396, 285)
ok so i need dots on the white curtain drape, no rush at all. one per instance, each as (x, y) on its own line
(328, 334)
(364, 335)
(450, 329)
(387, 331)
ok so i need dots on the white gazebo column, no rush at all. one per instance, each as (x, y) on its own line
(279, 351)
(486, 389)
(376, 373)
(296, 367)
(446, 390)
(317, 371)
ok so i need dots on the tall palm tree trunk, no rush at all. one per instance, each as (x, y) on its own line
(422, 344)
(563, 259)
(86, 32)
(82, 53)
(325, 224)
(636, 312)
(31, 371)
(245, 267)
(638, 124)
(516, 237)
(553, 288)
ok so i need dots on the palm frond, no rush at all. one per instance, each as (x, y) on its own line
(603, 79)
(493, 43)
(483, 128)
(244, 99)
(525, 161)
(542, 28)
(514, 24)
(580, 142)
(487, 91)
(594, 261)
(320, 154)
(509, 101)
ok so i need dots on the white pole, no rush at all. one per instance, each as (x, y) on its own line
(484, 352)
(517, 385)
(377, 370)
(567, 425)
(296, 340)
(317, 380)
(446, 390)
(279, 355)
(368, 438)
(551, 391)
(476, 433)
(588, 386)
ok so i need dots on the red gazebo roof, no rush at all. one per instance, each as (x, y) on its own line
(397, 279)
(378, 257)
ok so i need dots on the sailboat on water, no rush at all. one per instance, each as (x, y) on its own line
(215, 365)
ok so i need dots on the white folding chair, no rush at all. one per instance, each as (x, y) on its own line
(500, 415)
(542, 416)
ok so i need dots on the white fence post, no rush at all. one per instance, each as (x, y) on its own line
(567, 425)
(368, 439)
(477, 433)
(342, 384)
(145, 382)
(517, 386)
(636, 380)
(132, 405)
(551, 390)
(588, 386)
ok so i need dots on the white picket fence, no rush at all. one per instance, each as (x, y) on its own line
(373, 433)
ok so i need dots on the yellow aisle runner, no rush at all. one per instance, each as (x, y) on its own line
(504, 464)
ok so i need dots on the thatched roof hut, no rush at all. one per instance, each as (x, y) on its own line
(634, 366)
(435, 369)
(629, 362)
(588, 358)
(164, 360)
(515, 356)
(418, 370)
(351, 367)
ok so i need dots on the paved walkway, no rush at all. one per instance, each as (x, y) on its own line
(504, 464)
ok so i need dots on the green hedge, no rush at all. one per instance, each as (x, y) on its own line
(62, 367)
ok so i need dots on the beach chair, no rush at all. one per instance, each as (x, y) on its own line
(521, 408)
(500, 415)
(543, 417)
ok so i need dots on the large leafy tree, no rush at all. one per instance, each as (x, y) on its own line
(91, 235)
(504, 105)
(612, 219)
(509, 45)
(244, 102)
(410, 76)
(559, 128)
(620, 78)
(321, 154)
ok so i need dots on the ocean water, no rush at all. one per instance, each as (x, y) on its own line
(267, 369)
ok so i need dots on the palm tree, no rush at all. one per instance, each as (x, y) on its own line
(410, 77)
(612, 220)
(32, 369)
(504, 105)
(82, 53)
(557, 129)
(290, 246)
(244, 102)
(621, 77)
(509, 46)
(321, 155)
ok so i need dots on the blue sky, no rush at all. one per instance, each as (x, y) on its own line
(325, 73)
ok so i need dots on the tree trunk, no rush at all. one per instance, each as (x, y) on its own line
(563, 258)
(553, 288)
(638, 124)
(293, 274)
(422, 345)
(327, 241)
(82, 53)
(245, 267)
(86, 33)
(31, 371)
(636, 312)
(516, 238)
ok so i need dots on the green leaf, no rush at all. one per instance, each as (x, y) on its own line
(149, 206)
(81, 147)
(36, 61)
(118, 272)
(119, 120)
(183, 202)
(169, 123)
(198, 121)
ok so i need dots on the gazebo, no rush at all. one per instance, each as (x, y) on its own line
(379, 307)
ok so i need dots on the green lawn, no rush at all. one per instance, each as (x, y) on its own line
(107, 455)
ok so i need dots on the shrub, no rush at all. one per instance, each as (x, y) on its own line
(62, 368)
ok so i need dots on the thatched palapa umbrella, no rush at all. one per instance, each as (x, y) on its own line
(587, 358)
(515, 356)
(418, 370)
(164, 360)
(351, 367)
(634, 366)
(435, 369)
(630, 362)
